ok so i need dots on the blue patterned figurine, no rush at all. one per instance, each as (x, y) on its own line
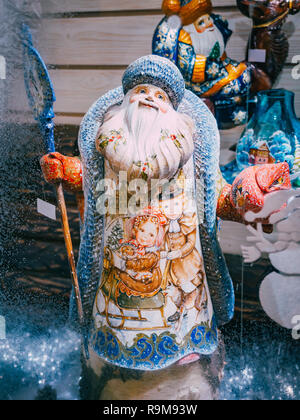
(196, 42)
(153, 279)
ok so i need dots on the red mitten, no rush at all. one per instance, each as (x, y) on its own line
(250, 187)
(58, 168)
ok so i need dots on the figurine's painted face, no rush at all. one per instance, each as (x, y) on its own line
(146, 233)
(151, 97)
(204, 23)
(205, 35)
(173, 209)
(131, 136)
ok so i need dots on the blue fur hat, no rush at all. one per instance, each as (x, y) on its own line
(157, 71)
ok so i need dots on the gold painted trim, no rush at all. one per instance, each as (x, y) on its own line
(266, 25)
(170, 7)
(199, 69)
(185, 37)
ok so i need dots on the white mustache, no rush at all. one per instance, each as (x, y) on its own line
(142, 123)
(204, 42)
(149, 104)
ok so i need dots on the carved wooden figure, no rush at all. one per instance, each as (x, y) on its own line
(267, 34)
(195, 39)
(196, 43)
(153, 279)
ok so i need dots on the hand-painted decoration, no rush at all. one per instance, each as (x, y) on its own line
(195, 39)
(196, 43)
(250, 188)
(279, 291)
(152, 275)
(271, 136)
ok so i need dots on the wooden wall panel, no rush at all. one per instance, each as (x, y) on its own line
(102, 41)
(89, 54)
(69, 6)
(76, 90)
(118, 40)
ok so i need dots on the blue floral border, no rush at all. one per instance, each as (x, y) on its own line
(154, 352)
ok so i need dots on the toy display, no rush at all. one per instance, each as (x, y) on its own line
(184, 274)
(269, 37)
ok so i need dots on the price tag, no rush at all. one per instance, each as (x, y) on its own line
(2, 328)
(46, 209)
(257, 56)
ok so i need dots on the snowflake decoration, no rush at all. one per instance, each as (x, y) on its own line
(239, 117)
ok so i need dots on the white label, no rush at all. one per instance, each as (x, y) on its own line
(296, 69)
(46, 209)
(2, 68)
(2, 328)
(296, 329)
(257, 56)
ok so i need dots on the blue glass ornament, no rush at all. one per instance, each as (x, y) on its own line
(271, 136)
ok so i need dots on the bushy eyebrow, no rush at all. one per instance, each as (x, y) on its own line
(141, 87)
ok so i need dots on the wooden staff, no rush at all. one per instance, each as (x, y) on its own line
(69, 247)
(41, 98)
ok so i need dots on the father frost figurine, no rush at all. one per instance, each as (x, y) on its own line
(153, 279)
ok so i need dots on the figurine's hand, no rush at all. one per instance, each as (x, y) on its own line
(254, 183)
(52, 168)
(174, 255)
(58, 168)
(259, 239)
(250, 254)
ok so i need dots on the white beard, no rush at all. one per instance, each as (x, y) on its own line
(204, 43)
(141, 140)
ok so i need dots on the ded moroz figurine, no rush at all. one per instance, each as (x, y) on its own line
(153, 279)
(196, 43)
(195, 39)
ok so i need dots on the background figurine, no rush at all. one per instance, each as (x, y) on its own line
(137, 247)
(267, 35)
(196, 43)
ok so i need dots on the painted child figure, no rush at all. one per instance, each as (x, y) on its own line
(185, 271)
(132, 281)
(141, 253)
(149, 132)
